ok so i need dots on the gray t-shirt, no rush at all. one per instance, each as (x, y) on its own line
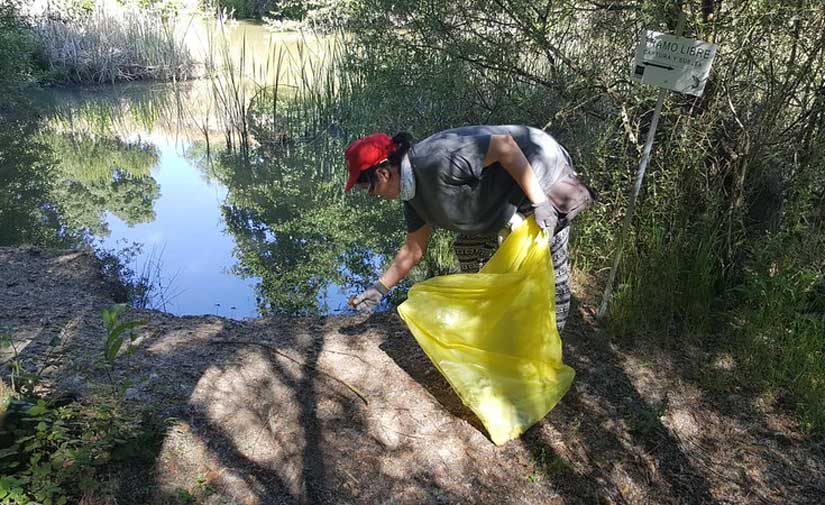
(454, 191)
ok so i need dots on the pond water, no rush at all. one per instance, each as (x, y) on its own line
(219, 233)
(188, 238)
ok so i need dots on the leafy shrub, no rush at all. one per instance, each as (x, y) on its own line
(19, 62)
(53, 450)
(59, 449)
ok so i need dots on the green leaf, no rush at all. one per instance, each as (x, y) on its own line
(108, 318)
(37, 410)
(114, 347)
(128, 325)
(112, 314)
(9, 451)
(7, 484)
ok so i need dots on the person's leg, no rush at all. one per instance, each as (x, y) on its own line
(561, 267)
(473, 251)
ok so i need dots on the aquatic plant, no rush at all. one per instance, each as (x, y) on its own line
(112, 42)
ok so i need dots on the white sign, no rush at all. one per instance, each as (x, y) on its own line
(673, 62)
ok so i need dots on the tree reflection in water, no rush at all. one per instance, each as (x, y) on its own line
(298, 232)
(28, 213)
(55, 188)
(99, 175)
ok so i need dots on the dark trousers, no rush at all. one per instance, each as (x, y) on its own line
(473, 251)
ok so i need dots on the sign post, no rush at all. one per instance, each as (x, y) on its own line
(673, 63)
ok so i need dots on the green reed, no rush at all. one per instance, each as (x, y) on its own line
(295, 95)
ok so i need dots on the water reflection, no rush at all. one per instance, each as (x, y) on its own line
(268, 233)
(28, 213)
(94, 176)
(187, 237)
(294, 229)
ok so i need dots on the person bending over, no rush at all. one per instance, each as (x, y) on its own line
(477, 181)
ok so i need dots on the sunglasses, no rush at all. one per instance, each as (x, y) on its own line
(366, 187)
(366, 181)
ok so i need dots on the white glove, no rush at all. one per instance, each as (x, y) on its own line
(546, 216)
(369, 299)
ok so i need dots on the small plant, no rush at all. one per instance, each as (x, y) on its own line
(117, 331)
(183, 497)
(648, 419)
(56, 448)
(547, 464)
(204, 487)
(18, 375)
(52, 449)
(23, 380)
(116, 334)
(198, 493)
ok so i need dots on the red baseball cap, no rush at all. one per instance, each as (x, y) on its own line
(365, 153)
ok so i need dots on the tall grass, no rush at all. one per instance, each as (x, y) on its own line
(670, 282)
(141, 285)
(308, 93)
(229, 86)
(295, 95)
(115, 42)
(781, 324)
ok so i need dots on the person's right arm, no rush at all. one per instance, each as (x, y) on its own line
(408, 256)
(506, 152)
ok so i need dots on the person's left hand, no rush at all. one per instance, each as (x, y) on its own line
(546, 216)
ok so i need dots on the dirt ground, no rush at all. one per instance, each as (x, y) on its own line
(349, 410)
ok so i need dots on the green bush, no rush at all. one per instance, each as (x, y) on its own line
(60, 449)
(53, 450)
(19, 60)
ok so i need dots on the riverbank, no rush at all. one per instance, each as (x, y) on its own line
(349, 410)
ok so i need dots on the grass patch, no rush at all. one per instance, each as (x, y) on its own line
(547, 464)
(781, 326)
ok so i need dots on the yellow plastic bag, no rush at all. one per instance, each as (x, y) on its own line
(493, 334)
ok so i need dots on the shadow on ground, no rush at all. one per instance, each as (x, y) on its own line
(350, 410)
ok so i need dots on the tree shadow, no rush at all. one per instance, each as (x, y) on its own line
(779, 449)
(255, 405)
(682, 481)
(402, 348)
(268, 375)
(614, 426)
